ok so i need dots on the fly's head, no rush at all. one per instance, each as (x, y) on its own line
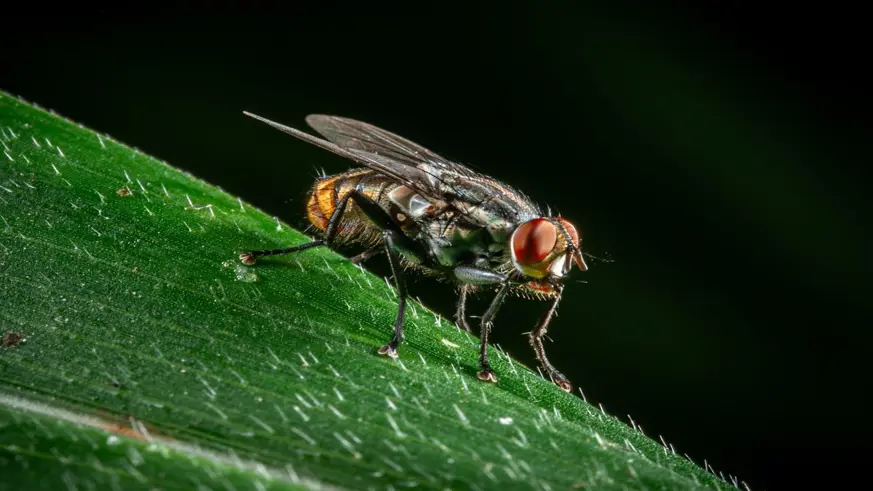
(544, 249)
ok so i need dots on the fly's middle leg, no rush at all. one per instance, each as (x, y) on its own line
(461, 310)
(486, 373)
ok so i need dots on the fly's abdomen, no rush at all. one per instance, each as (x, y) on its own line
(329, 191)
(321, 203)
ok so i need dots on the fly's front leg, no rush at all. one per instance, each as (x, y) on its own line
(251, 257)
(536, 341)
(469, 274)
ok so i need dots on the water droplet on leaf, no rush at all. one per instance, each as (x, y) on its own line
(245, 274)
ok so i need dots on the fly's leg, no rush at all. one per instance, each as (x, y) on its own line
(460, 311)
(395, 241)
(251, 257)
(469, 274)
(486, 373)
(536, 341)
(390, 349)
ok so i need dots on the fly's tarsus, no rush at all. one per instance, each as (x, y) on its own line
(487, 375)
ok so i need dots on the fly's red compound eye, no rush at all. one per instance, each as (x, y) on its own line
(533, 241)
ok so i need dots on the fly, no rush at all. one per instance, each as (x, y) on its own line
(441, 218)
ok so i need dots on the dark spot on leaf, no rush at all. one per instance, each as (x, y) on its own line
(125, 191)
(12, 339)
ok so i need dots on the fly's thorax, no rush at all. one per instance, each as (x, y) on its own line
(457, 242)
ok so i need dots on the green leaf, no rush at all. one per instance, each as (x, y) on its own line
(139, 352)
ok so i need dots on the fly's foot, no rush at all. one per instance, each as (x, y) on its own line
(487, 375)
(561, 381)
(389, 350)
(247, 258)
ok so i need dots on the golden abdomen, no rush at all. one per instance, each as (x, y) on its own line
(329, 191)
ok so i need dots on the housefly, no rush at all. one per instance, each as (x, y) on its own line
(441, 218)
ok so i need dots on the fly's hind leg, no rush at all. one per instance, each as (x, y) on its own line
(250, 257)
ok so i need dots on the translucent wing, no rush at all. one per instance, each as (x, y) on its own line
(431, 175)
(422, 181)
(353, 134)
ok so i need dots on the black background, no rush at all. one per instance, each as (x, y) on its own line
(718, 156)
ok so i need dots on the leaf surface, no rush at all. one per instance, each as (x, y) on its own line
(139, 352)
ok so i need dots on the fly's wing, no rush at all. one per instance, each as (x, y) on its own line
(353, 134)
(431, 175)
(389, 153)
(468, 187)
(420, 180)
